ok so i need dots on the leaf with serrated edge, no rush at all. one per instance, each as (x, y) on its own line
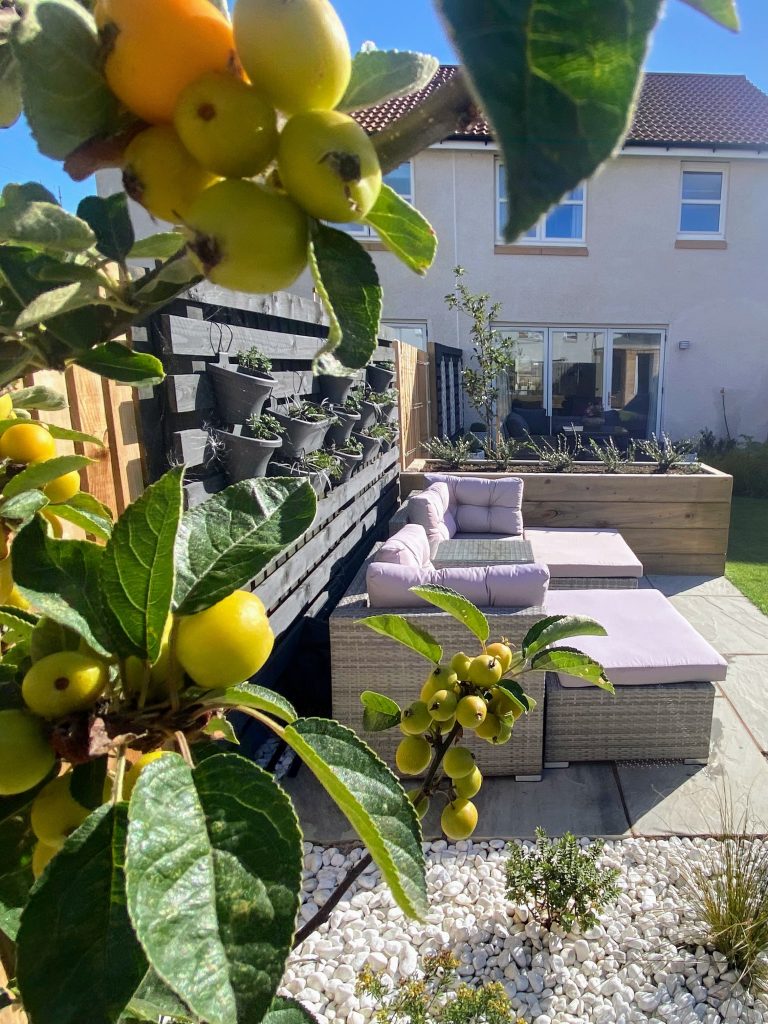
(516, 692)
(379, 711)
(288, 1011)
(137, 570)
(380, 75)
(117, 362)
(38, 397)
(224, 542)
(558, 627)
(86, 512)
(557, 81)
(404, 231)
(372, 799)
(572, 662)
(38, 474)
(44, 226)
(67, 434)
(77, 915)
(213, 872)
(158, 247)
(399, 628)
(17, 620)
(23, 506)
(348, 284)
(460, 607)
(221, 728)
(722, 11)
(60, 578)
(153, 1000)
(248, 695)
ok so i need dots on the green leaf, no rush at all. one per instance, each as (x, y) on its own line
(11, 104)
(23, 506)
(111, 223)
(49, 637)
(66, 99)
(61, 300)
(347, 282)
(38, 474)
(19, 621)
(86, 512)
(458, 606)
(43, 226)
(379, 711)
(572, 662)
(13, 806)
(288, 1011)
(246, 695)
(87, 783)
(161, 246)
(77, 957)
(16, 843)
(557, 82)
(153, 1000)
(558, 627)
(516, 693)
(118, 362)
(38, 397)
(722, 11)
(380, 75)
(372, 799)
(405, 232)
(226, 541)
(137, 570)
(28, 192)
(65, 434)
(60, 578)
(400, 629)
(214, 862)
(164, 283)
(219, 724)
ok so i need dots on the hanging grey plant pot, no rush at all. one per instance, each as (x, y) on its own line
(246, 457)
(335, 389)
(349, 464)
(338, 433)
(379, 378)
(319, 482)
(367, 415)
(371, 446)
(300, 436)
(239, 394)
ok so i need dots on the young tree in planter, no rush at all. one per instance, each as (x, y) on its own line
(493, 353)
(172, 889)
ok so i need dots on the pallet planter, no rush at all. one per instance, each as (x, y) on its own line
(240, 393)
(301, 437)
(246, 457)
(675, 523)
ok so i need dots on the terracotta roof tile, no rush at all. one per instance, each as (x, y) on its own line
(678, 109)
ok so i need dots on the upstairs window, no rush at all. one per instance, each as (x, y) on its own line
(563, 225)
(702, 201)
(401, 181)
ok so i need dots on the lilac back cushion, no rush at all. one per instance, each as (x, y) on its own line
(481, 505)
(428, 510)
(504, 586)
(409, 546)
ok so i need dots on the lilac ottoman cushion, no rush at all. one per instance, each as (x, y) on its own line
(484, 505)
(409, 546)
(599, 553)
(648, 641)
(503, 586)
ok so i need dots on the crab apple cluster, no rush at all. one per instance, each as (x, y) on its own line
(460, 696)
(240, 141)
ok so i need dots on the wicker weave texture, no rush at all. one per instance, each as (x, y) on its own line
(593, 583)
(363, 660)
(673, 720)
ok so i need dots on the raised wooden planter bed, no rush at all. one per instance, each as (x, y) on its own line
(675, 523)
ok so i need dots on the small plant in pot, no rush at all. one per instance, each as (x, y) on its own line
(326, 463)
(241, 390)
(351, 456)
(247, 454)
(304, 427)
(367, 409)
(380, 374)
(343, 420)
(385, 402)
(335, 389)
(370, 445)
(385, 433)
(319, 480)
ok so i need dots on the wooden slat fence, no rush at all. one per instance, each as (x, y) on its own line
(414, 386)
(448, 407)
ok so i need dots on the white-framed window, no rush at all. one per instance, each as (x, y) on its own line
(401, 180)
(564, 224)
(703, 191)
(413, 332)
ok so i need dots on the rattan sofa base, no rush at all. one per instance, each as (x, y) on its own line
(593, 583)
(363, 660)
(673, 721)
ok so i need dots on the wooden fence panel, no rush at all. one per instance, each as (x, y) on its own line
(414, 387)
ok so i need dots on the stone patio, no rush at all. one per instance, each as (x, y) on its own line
(653, 799)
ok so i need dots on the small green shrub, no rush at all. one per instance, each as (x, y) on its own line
(308, 412)
(504, 452)
(324, 462)
(559, 455)
(746, 460)
(383, 397)
(264, 427)
(254, 359)
(351, 447)
(560, 881)
(434, 998)
(612, 457)
(454, 454)
(665, 452)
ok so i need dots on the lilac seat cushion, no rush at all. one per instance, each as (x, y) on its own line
(568, 553)
(409, 546)
(503, 586)
(648, 641)
(429, 510)
(484, 505)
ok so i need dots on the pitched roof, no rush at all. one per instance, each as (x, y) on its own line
(673, 109)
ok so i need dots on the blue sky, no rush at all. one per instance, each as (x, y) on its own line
(684, 41)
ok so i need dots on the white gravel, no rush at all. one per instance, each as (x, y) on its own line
(641, 963)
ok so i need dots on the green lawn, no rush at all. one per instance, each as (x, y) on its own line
(747, 566)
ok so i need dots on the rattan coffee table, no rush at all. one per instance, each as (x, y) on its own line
(453, 554)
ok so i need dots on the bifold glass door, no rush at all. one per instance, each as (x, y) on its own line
(606, 382)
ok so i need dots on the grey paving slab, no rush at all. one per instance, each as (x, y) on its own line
(583, 798)
(694, 586)
(733, 625)
(746, 686)
(678, 799)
